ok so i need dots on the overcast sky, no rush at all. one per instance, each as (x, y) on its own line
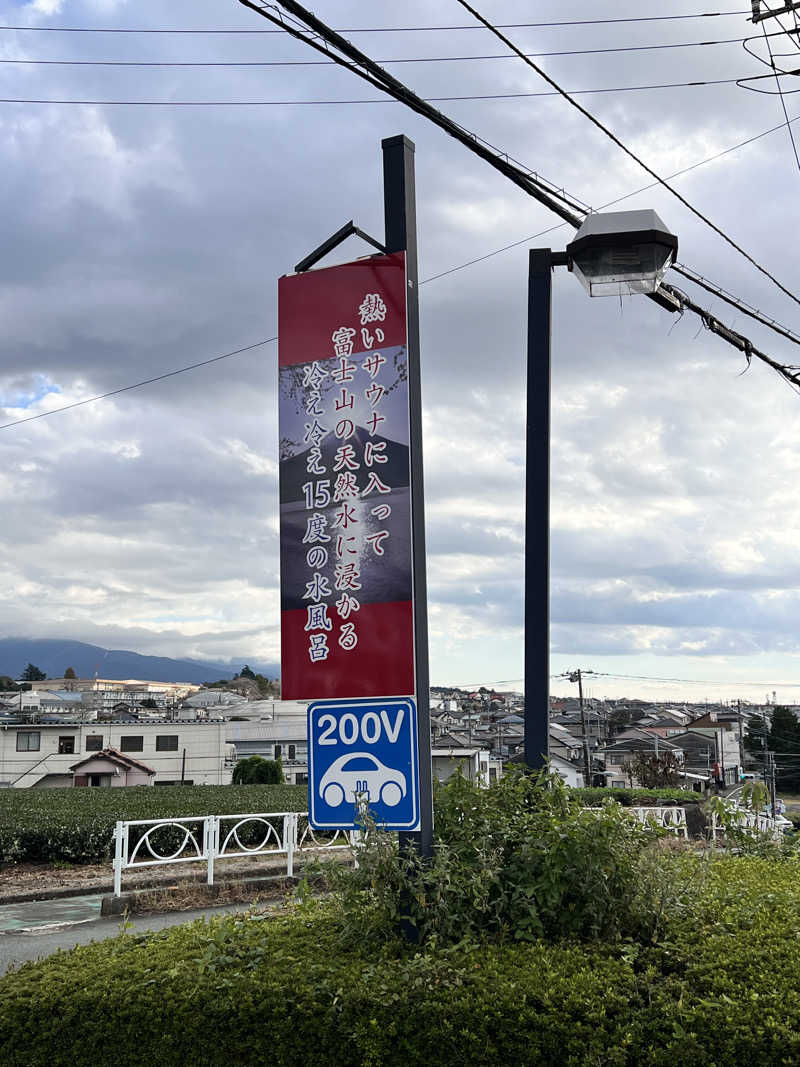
(137, 240)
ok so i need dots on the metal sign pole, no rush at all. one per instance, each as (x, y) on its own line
(400, 212)
(537, 510)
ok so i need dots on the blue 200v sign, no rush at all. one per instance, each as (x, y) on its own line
(363, 752)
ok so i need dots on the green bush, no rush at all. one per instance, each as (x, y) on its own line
(255, 770)
(76, 825)
(637, 798)
(722, 988)
(520, 860)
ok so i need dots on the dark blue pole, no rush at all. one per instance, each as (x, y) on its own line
(400, 212)
(537, 507)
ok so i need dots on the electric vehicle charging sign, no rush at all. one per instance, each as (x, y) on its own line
(363, 752)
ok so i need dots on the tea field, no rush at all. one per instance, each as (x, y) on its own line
(76, 825)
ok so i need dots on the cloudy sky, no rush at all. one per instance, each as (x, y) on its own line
(138, 239)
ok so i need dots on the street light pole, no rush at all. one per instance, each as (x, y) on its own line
(613, 253)
(537, 510)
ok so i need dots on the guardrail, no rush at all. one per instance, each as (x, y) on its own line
(205, 839)
(672, 819)
(745, 820)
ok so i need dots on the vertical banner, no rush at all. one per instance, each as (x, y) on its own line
(347, 626)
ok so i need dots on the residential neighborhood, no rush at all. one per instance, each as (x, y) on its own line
(190, 734)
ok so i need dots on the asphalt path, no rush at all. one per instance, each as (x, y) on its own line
(20, 943)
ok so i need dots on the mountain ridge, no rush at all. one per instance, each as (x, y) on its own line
(54, 655)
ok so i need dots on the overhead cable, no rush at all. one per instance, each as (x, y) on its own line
(379, 100)
(386, 29)
(383, 62)
(325, 40)
(620, 144)
(138, 385)
(698, 279)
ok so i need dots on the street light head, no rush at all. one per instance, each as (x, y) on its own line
(617, 253)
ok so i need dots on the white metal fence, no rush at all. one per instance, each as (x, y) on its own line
(744, 819)
(672, 819)
(144, 843)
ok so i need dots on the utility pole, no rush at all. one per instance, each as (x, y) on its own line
(741, 738)
(767, 13)
(577, 676)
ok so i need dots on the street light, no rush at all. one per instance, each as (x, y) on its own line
(613, 253)
(619, 253)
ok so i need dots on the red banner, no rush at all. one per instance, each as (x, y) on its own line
(345, 505)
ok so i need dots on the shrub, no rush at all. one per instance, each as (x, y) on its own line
(255, 770)
(722, 988)
(637, 798)
(520, 860)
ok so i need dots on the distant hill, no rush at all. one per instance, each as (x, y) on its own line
(53, 656)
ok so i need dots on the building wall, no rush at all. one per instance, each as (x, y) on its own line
(204, 744)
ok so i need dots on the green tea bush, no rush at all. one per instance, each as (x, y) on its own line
(76, 825)
(521, 860)
(721, 987)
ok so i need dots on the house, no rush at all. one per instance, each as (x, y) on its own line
(619, 754)
(281, 734)
(111, 768)
(564, 768)
(101, 694)
(474, 763)
(42, 755)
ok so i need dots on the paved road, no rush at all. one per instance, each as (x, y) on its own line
(34, 930)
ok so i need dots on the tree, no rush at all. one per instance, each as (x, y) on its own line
(755, 735)
(258, 771)
(7, 684)
(70, 673)
(33, 674)
(245, 672)
(784, 740)
(654, 772)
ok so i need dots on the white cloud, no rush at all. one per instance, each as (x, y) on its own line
(137, 241)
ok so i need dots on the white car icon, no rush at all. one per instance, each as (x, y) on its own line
(357, 775)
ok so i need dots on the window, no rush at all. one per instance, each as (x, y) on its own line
(278, 750)
(28, 741)
(94, 742)
(131, 743)
(166, 743)
(66, 745)
(292, 749)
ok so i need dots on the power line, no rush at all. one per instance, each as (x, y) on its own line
(544, 195)
(304, 26)
(138, 385)
(378, 100)
(687, 272)
(632, 155)
(384, 62)
(384, 29)
(695, 681)
(780, 94)
(424, 281)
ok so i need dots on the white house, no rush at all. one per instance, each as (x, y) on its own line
(43, 755)
(281, 733)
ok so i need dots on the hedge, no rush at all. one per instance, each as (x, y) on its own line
(76, 825)
(721, 990)
(637, 798)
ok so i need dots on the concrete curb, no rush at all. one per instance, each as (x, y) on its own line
(111, 905)
(189, 878)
